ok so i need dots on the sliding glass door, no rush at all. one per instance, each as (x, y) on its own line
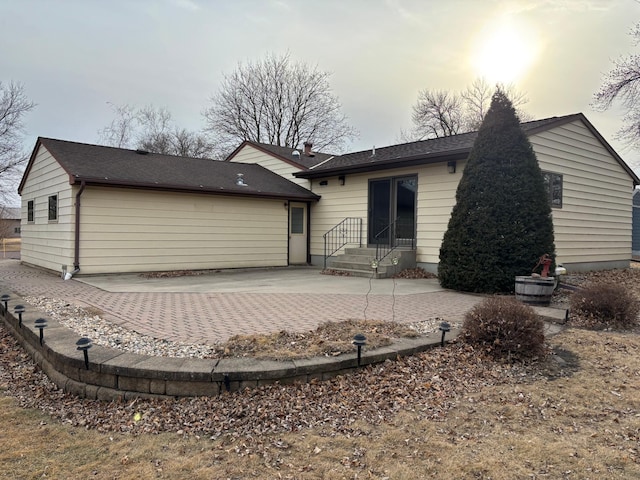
(392, 211)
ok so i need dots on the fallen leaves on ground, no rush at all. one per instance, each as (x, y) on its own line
(415, 273)
(428, 384)
(329, 339)
(177, 273)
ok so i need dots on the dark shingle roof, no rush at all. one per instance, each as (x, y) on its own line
(455, 147)
(285, 153)
(109, 166)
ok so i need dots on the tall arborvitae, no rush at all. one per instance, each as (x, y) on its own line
(501, 223)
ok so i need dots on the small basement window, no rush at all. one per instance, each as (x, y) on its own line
(53, 207)
(553, 184)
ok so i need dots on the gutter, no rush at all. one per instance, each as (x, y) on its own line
(385, 164)
(250, 193)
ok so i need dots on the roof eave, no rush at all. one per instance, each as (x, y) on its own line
(32, 157)
(98, 182)
(422, 159)
(609, 148)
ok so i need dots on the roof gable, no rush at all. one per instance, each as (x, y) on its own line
(110, 166)
(301, 161)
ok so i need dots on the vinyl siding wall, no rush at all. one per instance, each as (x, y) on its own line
(45, 243)
(594, 224)
(125, 230)
(436, 195)
(250, 154)
(636, 224)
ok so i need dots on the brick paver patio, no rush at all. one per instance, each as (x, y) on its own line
(214, 317)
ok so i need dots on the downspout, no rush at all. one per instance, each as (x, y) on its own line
(76, 247)
(288, 207)
(308, 233)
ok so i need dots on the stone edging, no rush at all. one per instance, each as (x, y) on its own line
(115, 375)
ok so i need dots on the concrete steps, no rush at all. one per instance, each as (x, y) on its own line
(358, 262)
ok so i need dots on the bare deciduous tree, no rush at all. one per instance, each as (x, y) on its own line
(622, 83)
(441, 113)
(438, 113)
(280, 102)
(120, 131)
(14, 104)
(151, 128)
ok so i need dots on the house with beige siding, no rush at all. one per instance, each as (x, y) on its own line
(635, 250)
(9, 222)
(396, 201)
(92, 209)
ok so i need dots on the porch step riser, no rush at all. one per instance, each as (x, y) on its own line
(357, 262)
(362, 273)
(362, 259)
(366, 267)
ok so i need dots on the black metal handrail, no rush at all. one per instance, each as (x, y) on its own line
(402, 235)
(347, 231)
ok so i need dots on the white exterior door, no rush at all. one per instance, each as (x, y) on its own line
(297, 233)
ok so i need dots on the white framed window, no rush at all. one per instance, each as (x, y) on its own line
(30, 211)
(53, 208)
(553, 184)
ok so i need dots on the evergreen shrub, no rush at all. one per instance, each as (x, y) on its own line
(501, 223)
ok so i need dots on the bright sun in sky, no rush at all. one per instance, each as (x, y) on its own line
(504, 52)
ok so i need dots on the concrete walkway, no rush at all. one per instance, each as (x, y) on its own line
(211, 308)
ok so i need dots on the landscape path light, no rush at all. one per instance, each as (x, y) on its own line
(19, 310)
(84, 344)
(359, 341)
(5, 298)
(444, 328)
(41, 324)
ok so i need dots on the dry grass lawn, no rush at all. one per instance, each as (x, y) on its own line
(582, 421)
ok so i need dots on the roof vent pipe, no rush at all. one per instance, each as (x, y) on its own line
(240, 180)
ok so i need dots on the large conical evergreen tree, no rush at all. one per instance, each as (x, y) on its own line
(501, 223)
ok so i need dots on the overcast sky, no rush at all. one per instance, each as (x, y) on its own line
(76, 56)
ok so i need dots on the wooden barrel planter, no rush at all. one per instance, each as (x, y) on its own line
(535, 290)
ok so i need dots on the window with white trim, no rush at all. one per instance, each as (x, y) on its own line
(553, 184)
(53, 208)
